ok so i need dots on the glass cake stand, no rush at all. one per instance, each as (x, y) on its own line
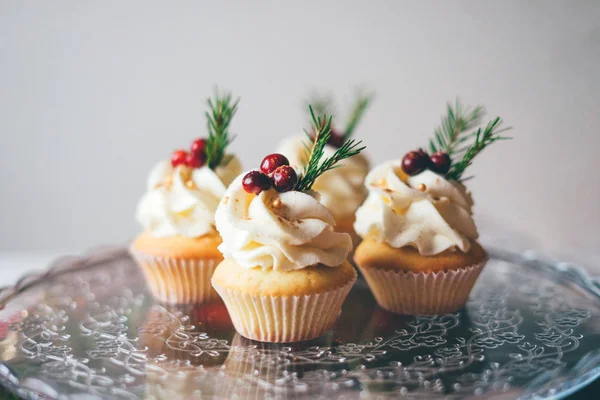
(88, 328)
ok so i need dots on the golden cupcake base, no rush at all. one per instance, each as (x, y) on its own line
(281, 306)
(178, 269)
(405, 282)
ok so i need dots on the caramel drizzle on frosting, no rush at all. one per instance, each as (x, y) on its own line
(186, 175)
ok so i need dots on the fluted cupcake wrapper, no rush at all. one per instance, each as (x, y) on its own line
(432, 293)
(178, 281)
(283, 319)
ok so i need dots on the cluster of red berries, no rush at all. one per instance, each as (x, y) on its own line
(195, 158)
(415, 162)
(275, 171)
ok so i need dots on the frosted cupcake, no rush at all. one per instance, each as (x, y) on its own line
(420, 253)
(178, 249)
(285, 274)
(342, 189)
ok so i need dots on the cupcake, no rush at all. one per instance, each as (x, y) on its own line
(342, 189)
(419, 252)
(285, 274)
(178, 248)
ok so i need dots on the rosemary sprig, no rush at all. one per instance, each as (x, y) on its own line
(221, 110)
(483, 138)
(316, 167)
(321, 103)
(358, 110)
(324, 105)
(454, 126)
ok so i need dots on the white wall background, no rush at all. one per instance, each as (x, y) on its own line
(93, 93)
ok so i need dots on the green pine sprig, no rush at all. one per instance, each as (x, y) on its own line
(361, 104)
(221, 111)
(315, 166)
(454, 128)
(483, 138)
(324, 105)
(321, 103)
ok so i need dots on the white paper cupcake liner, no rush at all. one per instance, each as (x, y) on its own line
(283, 319)
(178, 281)
(433, 293)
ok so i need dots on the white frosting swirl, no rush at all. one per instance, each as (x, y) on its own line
(432, 220)
(283, 231)
(342, 189)
(182, 201)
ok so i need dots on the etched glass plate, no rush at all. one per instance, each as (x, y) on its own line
(88, 329)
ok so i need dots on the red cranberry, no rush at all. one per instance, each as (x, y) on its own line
(284, 178)
(336, 139)
(179, 157)
(199, 147)
(273, 161)
(440, 162)
(255, 182)
(195, 160)
(415, 162)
